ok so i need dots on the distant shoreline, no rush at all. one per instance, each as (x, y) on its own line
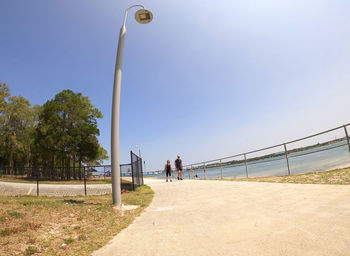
(235, 162)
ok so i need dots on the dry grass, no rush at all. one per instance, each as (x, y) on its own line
(64, 225)
(337, 176)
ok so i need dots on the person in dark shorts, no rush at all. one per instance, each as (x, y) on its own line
(178, 165)
(168, 170)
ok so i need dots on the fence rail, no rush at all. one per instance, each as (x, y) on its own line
(285, 154)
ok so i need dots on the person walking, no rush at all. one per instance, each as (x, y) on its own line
(168, 170)
(178, 165)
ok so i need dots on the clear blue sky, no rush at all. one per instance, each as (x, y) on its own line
(204, 80)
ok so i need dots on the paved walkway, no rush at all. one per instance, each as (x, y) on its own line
(197, 217)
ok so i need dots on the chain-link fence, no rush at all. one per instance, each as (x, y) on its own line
(84, 180)
(136, 170)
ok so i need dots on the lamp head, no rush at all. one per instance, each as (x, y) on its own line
(143, 16)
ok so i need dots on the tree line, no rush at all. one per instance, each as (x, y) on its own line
(54, 139)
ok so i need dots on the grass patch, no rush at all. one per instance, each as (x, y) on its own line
(68, 240)
(337, 177)
(5, 232)
(82, 237)
(15, 214)
(30, 250)
(31, 225)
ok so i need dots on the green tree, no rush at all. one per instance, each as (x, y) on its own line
(55, 137)
(4, 94)
(18, 120)
(67, 133)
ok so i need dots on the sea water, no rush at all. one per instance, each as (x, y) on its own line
(316, 159)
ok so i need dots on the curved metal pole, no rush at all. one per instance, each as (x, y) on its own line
(116, 189)
(126, 11)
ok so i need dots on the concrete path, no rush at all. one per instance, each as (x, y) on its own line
(197, 217)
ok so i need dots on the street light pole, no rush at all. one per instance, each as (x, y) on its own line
(142, 16)
(137, 147)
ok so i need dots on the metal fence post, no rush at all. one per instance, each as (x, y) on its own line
(142, 172)
(139, 167)
(285, 150)
(192, 171)
(85, 180)
(37, 183)
(246, 165)
(347, 136)
(205, 173)
(132, 172)
(221, 168)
